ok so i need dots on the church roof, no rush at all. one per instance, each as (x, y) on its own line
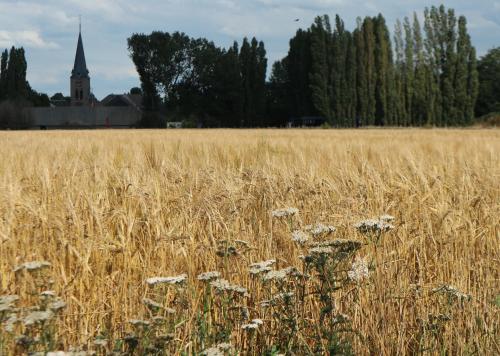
(80, 68)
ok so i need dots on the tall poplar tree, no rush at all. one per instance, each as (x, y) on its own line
(320, 73)
(3, 74)
(369, 70)
(399, 94)
(419, 105)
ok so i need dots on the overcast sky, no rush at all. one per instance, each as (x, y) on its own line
(48, 29)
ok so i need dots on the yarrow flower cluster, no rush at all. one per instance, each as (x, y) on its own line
(7, 302)
(223, 285)
(375, 225)
(181, 279)
(140, 323)
(280, 275)
(253, 325)
(341, 245)
(359, 270)
(217, 350)
(300, 237)
(452, 292)
(209, 276)
(261, 267)
(32, 266)
(320, 229)
(37, 317)
(282, 213)
(150, 303)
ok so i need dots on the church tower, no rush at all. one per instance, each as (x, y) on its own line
(80, 80)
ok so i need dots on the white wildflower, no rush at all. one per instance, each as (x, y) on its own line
(223, 285)
(101, 342)
(321, 250)
(261, 267)
(150, 303)
(168, 280)
(343, 245)
(281, 213)
(300, 237)
(138, 322)
(280, 275)
(253, 325)
(36, 317)
(359, 270)
(373, 225)
(209, 276)
(10, 323)
(320, 229)
(66, 353)
(57, 305)
(7, 302)
(452, 292)
(217, 350)
(8, 299)
(32, 266)
(250, 326)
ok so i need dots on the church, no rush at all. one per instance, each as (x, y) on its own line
(83, 110)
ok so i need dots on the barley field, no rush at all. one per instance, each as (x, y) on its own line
(108, 215)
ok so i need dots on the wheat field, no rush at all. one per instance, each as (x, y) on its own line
(110, 209)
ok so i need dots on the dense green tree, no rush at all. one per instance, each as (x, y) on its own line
(228, 93)
(3, 74)
(320, 78)
(279, 99)
(419, 107)
(472, 86)
(383, 68)
(369, 71)
(299, 65)
(349, 78)
(489, 83)
(14, 82)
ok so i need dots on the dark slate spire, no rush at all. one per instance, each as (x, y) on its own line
(80, 68)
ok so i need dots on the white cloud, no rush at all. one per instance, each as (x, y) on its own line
(53, 24)
(26, 38)
(112, 71)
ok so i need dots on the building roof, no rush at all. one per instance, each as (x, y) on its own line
(80, 68)
(131, 100)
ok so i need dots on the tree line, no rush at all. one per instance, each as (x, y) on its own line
(193, 78)
(15, 91)
(13, 84)
(362, 78)
(423, 75)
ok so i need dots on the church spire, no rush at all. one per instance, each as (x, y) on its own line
(80, 68)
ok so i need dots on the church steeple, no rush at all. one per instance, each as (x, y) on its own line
(80, 68)
(80, 79)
